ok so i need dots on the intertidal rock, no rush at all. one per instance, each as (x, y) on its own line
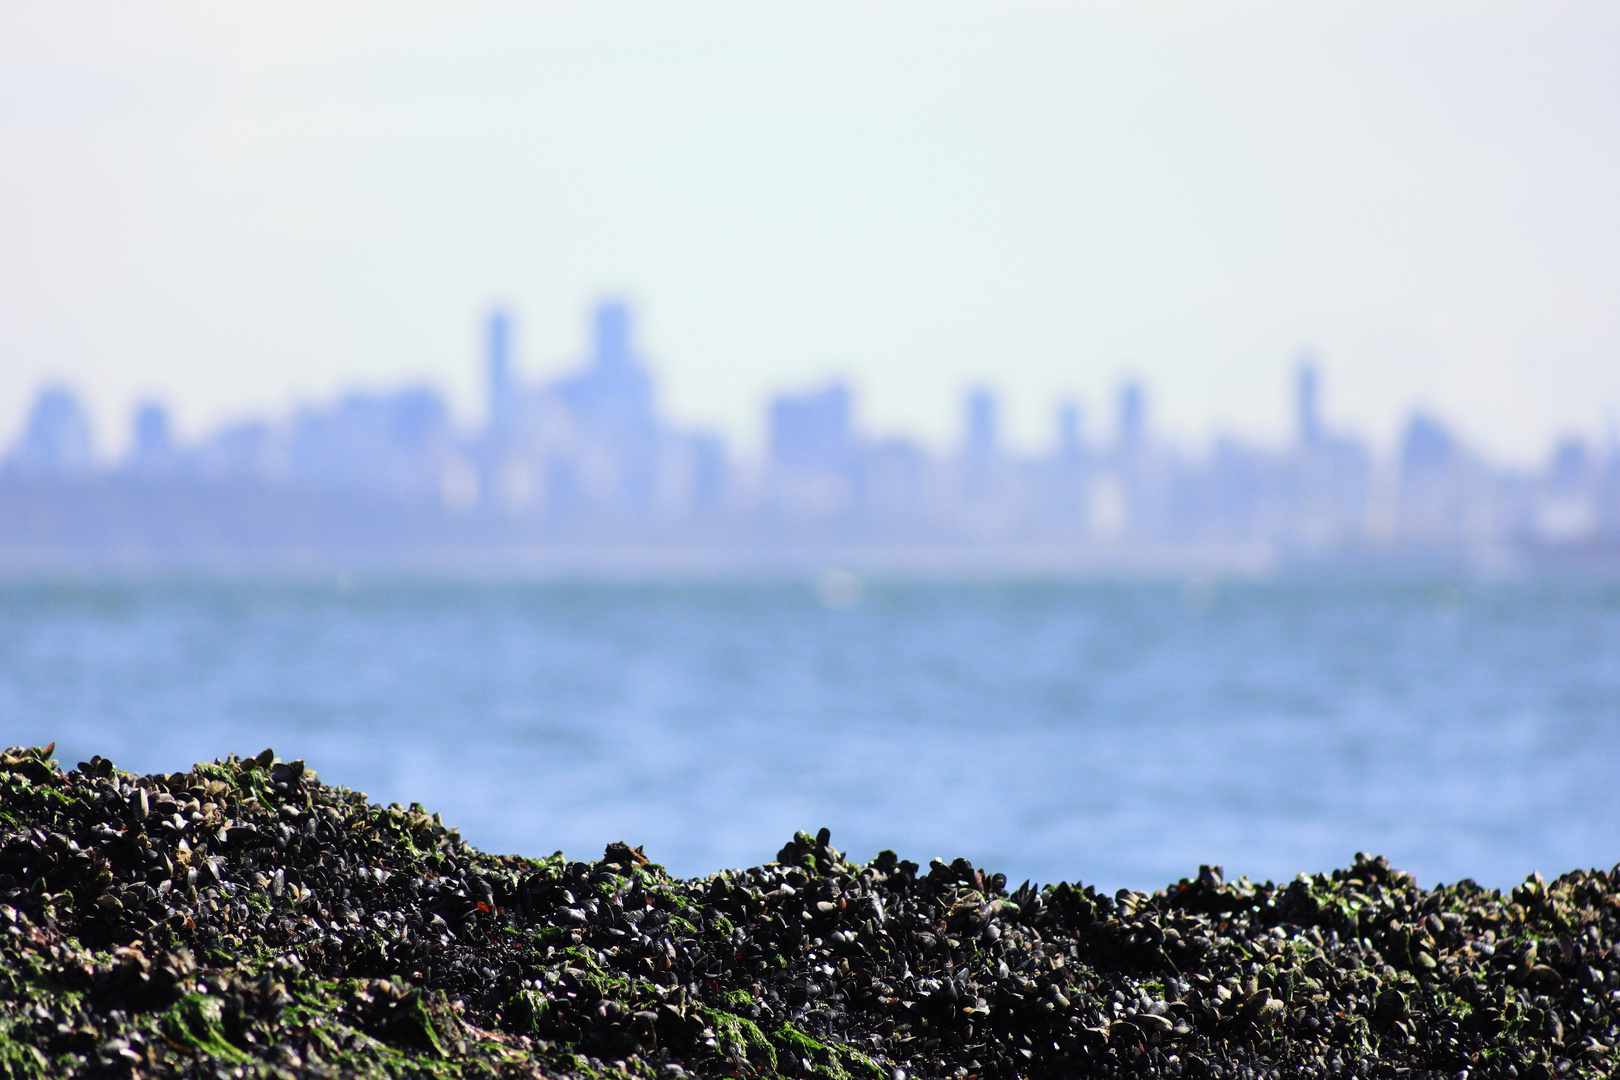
(244, 919)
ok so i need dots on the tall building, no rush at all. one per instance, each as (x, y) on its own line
(1430, 509)
(1327, 480)
(812, 450)
(810, 430)
(1143, 474)
(1065, 495)
(1132, 419)
(56, 440)
(610, 464)
(501, 386)
(982, 479)
(1569, 497)
(611, 399)
(1306, 405)
(980, 436)
(1070, 446)
(586, 446)
(151, 430)
(152, 450)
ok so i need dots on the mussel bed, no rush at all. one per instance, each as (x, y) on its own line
(244, 919)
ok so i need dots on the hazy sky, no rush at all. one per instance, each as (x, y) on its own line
(242, 206)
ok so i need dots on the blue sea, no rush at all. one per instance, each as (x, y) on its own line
(1116, 734)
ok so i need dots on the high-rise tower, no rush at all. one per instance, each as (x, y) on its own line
(1069, 444)
(498, 358)
(1306, 394)
(980, 436)
(56, 440)
(1132, 419)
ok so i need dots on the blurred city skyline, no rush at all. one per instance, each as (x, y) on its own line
(239, 210)
(114, 439)
(590, 459)
(501, 348)
(116, 436)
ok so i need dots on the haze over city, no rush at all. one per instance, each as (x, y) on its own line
(239, 211)
(589, 462)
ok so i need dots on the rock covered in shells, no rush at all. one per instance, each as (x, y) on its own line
(242, 918)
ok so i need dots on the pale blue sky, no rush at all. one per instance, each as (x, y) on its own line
(238, 207)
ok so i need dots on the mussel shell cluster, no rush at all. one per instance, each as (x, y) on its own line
(243, 918)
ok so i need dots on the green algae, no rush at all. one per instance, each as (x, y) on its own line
(741, 1038)
(196, 1022)
(20, 1059)
(828, 1059)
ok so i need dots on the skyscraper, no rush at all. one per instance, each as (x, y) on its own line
(979, 437)
(151, 429)
(152, 449)
(812, 449)
(1327, 479)
(810, 429)
(498, 360)
(56, 439)
(1065, 494)
(611, 399)
(1306, 402)
(1132, 419)
(1144, 476)
(981, 479)
(1069, 445)
(1431, 495)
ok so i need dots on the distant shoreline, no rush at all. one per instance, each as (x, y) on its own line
(890, 562)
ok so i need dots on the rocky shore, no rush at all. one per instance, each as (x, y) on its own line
(243, 919)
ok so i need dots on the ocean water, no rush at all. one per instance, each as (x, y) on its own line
(1117, 734)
